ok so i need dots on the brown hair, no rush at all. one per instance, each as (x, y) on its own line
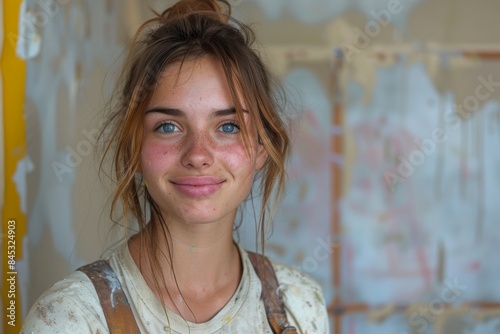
(192, 29)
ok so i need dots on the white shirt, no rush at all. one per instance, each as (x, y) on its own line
(72, 305)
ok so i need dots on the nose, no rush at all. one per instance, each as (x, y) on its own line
(198, 152)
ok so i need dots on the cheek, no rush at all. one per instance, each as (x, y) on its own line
(237, 160)
(155, 156)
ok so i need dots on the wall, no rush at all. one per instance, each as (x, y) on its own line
(397, 245)
(410, 151)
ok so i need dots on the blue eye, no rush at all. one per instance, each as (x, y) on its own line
(230, 128)
(167, 128)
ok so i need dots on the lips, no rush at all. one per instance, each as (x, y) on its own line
(200, 186)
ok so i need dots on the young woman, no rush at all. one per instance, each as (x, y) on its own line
(195, 125)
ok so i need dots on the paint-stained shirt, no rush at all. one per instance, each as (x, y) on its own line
(72, 305)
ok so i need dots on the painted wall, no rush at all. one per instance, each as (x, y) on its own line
(13, 167)
(405, 234)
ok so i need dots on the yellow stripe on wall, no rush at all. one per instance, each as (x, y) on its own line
(13, 219)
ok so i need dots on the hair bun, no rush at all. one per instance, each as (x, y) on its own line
(186, 7)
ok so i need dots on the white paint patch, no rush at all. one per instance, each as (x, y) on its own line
(73, 47)
(312, 11)
(29, 40)
(23, 167)
(377, 9)
(393, 238)
(302, 215)
(316, 11)
(319, 11)
(490, 326)
(273, 9)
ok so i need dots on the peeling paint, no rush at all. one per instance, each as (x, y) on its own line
(28, 38)
(24, 167)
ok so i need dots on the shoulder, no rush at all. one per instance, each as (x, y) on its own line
(303, 298)
(69, 306)
(288, 275)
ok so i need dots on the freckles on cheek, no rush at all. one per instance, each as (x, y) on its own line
(237, 160)
(234, 155)
(154, 156)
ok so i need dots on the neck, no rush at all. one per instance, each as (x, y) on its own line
(196, 262)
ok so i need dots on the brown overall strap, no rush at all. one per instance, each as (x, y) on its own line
(273, 302)
(114, 303)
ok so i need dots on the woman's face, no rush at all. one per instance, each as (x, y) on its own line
(193, 157)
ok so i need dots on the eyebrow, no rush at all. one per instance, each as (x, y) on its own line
(167, 111)
(179, 113)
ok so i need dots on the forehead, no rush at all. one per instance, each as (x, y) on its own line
(193, 83)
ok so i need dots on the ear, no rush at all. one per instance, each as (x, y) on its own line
(261, 157)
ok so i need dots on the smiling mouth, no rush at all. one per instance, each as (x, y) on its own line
(197, 187)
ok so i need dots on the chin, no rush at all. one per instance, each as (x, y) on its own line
(193, 216)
